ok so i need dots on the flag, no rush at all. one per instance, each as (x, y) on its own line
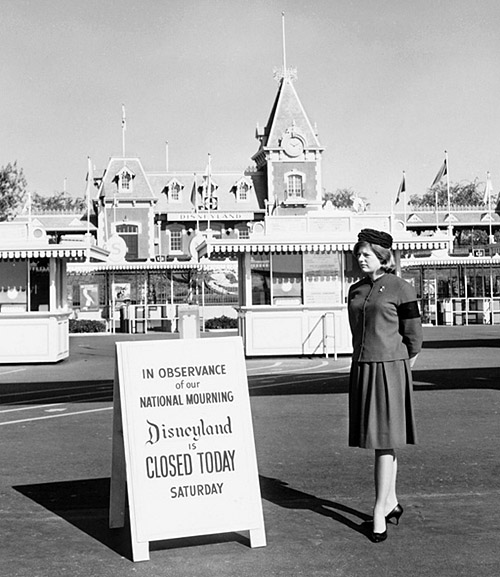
(402, 188)
(443, 171)
(488, 190)
(124, 119)
(208, 177)
(194, 193)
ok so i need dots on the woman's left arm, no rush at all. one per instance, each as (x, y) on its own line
(410, 324)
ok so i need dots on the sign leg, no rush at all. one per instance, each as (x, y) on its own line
(257, 537)
(140, 551)
(117, 498)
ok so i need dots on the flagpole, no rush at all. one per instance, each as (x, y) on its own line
(209, 189)
(404, 200)
(488, 188)
(89, 184)
(196, 203)
(283, 40)
(450, 226)
(448, 182)
(124, 129)
(401, 190)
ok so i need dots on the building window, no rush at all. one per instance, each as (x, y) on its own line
(173, 190)
(243, 231)
(39, 284)
(294, 185)
(242, 191)
(125, 181)
(260, 268)
(130, 234)
(13, 286)
(175, 241)
(286, 270)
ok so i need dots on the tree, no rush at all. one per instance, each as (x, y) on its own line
(58, 202)
(13, 187)
(468, 194)
(346, 198)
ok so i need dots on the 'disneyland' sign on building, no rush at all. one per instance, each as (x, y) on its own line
(183, 441)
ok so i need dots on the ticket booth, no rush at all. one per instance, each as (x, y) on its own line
(294, 277)
(33, 306)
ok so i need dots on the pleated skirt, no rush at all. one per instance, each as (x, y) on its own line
(381, 414)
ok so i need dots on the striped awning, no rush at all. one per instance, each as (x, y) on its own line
(54, 251)
(85, 268)
(242, 246)
(451, 261)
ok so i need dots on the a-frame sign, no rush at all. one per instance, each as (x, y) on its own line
(183, 445)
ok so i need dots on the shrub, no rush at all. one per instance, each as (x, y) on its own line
(222, 322)
(86, 326)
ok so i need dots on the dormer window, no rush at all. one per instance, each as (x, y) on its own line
(242, 190)
(173, 190)
(124, 180)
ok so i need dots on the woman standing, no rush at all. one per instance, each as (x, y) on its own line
(387, 337)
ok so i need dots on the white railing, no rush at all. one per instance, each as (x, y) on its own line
(327, 336)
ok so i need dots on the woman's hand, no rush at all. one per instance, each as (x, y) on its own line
(412, 361)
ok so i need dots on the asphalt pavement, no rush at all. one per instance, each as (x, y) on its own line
(55, 449)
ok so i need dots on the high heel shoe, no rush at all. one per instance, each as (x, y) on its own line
(395, 514)
(370, 533)
(378, 537)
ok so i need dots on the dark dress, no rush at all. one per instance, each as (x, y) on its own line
(387, 331)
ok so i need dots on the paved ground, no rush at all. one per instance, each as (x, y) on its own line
(55, 451)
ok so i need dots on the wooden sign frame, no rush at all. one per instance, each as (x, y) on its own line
(183, 446)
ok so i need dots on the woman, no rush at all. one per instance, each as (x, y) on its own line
(387, 337)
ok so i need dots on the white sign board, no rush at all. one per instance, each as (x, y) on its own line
(183, 433)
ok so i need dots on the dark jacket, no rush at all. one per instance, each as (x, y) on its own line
(384, 319)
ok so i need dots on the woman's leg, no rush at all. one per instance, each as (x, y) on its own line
(392, 498)
(384, 486)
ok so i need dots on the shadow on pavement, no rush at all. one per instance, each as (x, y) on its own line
(60, 392)
(463, 344)
(457, 379)
(332, 383)
(85, 504)
(279, 493)
(281, 385)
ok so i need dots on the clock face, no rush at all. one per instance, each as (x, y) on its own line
(293, 146)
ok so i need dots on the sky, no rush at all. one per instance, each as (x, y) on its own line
(390, 84)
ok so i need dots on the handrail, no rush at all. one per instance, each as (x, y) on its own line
(326, 335)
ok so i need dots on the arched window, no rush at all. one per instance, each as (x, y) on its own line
(130, 234)
(294, 185)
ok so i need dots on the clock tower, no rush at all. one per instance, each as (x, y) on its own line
(290, 154)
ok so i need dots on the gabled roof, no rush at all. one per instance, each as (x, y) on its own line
(287, 111)
(426, 218)
(69, 222)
